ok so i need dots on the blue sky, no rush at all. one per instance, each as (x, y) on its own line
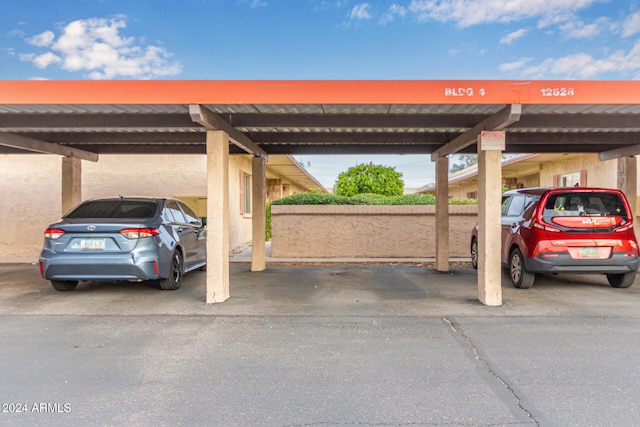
(323, 39)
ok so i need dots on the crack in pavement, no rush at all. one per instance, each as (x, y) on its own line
(489, 369)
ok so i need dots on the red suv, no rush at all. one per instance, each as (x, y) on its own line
(566, 230)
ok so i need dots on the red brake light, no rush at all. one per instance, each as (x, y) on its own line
(139, 233)
(53, 233)
(545, 227)
(625, 227)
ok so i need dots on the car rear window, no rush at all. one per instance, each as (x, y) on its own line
(585, 204)
(114, 209)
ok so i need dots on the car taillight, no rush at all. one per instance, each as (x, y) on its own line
(545, 227)
(139, 233)
(53, 233)
(624, 227)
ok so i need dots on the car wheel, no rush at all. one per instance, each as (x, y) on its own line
(623, 280)
(474, 253)
(520, 277)
(175, 273)
(60, 285)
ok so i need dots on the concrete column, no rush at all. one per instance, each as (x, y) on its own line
(258, 218)
(489, 229)
(628, 183)
(442, 214)
(217, 216)
(71, 183)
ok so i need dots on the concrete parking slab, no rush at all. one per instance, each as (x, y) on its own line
(321, 290)
(319, 345)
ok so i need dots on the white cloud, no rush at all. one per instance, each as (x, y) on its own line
(512, 66)
(253, 4)
(583, 65)
(580, 30)
(511, 37)
(46, 59)
(95, 46)
(361, 11)
(631, 25)
(42, 39)
(394, 10)
(466, 13)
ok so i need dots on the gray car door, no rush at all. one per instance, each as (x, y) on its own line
(199, 247)
(186, 233)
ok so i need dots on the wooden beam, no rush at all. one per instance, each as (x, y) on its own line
(505, 117)
(30, 144)
(208, 119)
(629, 151)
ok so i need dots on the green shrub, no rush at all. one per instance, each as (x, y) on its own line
(463, 201)
(316, 199)
(268, 222)
(360, 199)
(370, 178)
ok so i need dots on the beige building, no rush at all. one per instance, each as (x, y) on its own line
(538, 170)
(32, 185)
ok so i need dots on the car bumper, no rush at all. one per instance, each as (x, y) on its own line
(563, 263)
(99, 267)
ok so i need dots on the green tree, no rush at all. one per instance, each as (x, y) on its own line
(370, 179)
(463, 161)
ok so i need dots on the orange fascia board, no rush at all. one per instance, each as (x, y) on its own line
(318, 92)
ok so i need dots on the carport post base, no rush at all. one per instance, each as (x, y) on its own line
(489, 229)
(217, 216)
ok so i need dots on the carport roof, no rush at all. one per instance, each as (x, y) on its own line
(87, 118)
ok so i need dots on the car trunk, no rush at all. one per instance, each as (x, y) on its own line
(99, 237)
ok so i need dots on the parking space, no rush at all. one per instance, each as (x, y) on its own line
(315, 344)
(322, 290)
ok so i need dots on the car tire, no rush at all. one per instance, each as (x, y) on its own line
(62, 286)
(474, 253)
(520, 277)
(176, 269)
(623, 280)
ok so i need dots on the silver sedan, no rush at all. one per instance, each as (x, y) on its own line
(135, 239)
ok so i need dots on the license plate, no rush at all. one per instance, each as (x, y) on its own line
(591, 253)
(92, 244)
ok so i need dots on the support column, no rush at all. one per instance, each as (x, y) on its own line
(258, 218)
(628, 183)
(217, 216)
(442, 214)
(71, 183)
(489, 229)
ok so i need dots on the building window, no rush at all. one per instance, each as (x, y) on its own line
(472, 195)
(245, 193)
(573, 179)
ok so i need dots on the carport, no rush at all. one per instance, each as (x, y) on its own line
(80, 120)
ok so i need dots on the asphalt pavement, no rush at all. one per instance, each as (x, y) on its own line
(305, 344)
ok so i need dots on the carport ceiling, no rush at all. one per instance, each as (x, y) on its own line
(317, 117)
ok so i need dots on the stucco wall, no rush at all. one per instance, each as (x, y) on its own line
(366, 231)
(460, 191)
(599, 173)
(30, 190)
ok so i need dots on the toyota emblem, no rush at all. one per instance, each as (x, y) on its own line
(91, 227)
